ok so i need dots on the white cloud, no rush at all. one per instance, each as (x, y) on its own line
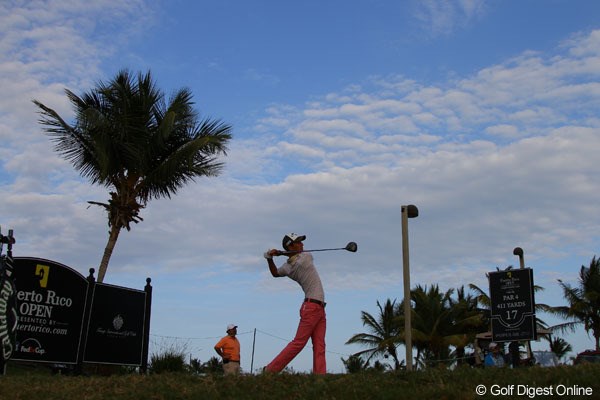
(444, 17)
(524, 97)
(509, 131)
(583, 44)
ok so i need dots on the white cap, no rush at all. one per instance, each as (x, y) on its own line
(230, 327)
(493, 345)
(291, 238)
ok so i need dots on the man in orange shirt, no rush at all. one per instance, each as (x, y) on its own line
(229, 349)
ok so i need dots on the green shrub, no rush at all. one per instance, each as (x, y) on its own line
(170, 360)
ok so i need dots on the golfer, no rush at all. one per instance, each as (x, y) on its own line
(300, 268)
(229, 349)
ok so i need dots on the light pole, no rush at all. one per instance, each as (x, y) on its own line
(517, 251)
(409, 211)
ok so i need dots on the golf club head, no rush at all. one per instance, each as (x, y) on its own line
(352, 247)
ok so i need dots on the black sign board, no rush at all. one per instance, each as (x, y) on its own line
(512, 305)
(51, 301)
(116, 330)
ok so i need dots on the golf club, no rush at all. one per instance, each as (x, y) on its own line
(351, 247)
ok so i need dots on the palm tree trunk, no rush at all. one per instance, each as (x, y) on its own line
(113, 235)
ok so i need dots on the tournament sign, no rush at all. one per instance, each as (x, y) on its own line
(51, 301)
(512, 305)
(116, 329)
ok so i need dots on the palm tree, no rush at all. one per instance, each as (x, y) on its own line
(383, 333)
(583, 301)
(467, 322)
(443, 320)
(213, 366)
(484, 302)
(432, 323)
(560, 347)
(355, 364)
(127, 138)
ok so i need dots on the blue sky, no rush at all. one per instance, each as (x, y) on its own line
(484, 114)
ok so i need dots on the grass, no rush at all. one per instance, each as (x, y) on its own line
(431, 384)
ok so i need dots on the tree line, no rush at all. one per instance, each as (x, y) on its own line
(445, 323)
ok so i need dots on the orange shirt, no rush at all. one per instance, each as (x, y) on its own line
(230, 347)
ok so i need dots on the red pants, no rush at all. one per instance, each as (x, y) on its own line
(313, 324)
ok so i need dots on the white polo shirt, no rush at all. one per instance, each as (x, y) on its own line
(300, 268)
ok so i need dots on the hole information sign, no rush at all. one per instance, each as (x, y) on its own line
(512, 305)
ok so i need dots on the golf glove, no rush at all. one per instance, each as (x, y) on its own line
(267, 255)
